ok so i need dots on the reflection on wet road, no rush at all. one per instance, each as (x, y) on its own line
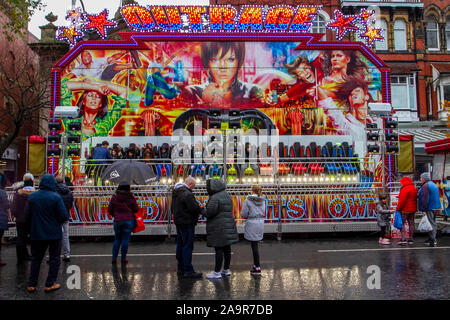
(291, 270)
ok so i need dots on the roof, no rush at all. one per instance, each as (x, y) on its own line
(442, 67)
(422, 136)
(402, 67)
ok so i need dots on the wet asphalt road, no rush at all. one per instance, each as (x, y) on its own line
(292, 269)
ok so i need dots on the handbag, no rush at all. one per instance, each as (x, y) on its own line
(425, 225)
(398, 222)
(139, 223)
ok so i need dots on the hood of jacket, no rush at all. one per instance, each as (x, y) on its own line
(121, 195)
(214, 185)
(405, 181)
(48, 182)
(61, 188)
(256, 199)
(179, 187)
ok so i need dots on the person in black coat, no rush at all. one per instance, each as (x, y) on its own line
(24, 189)
(185, 210)
(46, 212)
(221, 228)
(63, 190)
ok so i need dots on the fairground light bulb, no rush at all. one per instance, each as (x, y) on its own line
(304, 179)
(355, 178)
(164, 180)
(288, 179)
(266, 180)
(170, 180)
(197, 180)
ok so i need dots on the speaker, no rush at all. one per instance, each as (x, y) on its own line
(391, 137)
(74, 152)
(57, 126)
(54, 152)
(391, 124)
(74, 139)
(373, 136)
(74, 126)
(373, 148)
(371, 125)
(392, 149)
(54, 139)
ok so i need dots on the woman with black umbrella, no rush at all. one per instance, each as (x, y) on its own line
(122, 207)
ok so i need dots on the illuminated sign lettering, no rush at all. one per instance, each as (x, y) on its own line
(253, 18)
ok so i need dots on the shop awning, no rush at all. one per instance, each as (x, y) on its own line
(439, 146)
(422, 136)
(403, 67)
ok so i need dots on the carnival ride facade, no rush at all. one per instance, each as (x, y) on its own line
(283, 110)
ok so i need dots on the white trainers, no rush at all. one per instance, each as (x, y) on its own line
(226, 272)
(214, 275)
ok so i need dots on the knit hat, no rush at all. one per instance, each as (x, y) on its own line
(426, 176)
(28, 176)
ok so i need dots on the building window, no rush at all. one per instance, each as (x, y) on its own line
(382, 45)
(400, 35)
(447, 35)
(318, 26)
(401, 87)
(432, 35)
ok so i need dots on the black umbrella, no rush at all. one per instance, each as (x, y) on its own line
(132, 171)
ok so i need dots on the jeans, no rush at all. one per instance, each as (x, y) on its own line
(431, 215)
(65, 240)
(185, 246)
(122, 231)
(38, 249)
(23, 235)
(221, 253)
(215, 169)
(410, 218)
(255, 252)
(198, 169)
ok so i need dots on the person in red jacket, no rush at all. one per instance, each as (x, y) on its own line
(407, 206)
(122, 207)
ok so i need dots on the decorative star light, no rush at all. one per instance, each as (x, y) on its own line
(100, 23)
(342, 24)
(365, 15)
(71, 34)
(372, 34)
(74, 15)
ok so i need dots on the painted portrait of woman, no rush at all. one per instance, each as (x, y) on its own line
(222, 61)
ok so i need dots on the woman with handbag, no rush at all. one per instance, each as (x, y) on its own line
(254, 210)
(122, 207)
(407, 206)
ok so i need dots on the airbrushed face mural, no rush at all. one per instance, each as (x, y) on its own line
(173, 85)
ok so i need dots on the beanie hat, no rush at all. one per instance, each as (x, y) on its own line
(426, 176)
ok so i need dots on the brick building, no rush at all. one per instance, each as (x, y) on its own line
(14, 161)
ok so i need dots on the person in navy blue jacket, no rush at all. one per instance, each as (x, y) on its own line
(46, 212)
(429, 204)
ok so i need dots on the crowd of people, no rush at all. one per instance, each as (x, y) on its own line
(42, 218)
(410, 201)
